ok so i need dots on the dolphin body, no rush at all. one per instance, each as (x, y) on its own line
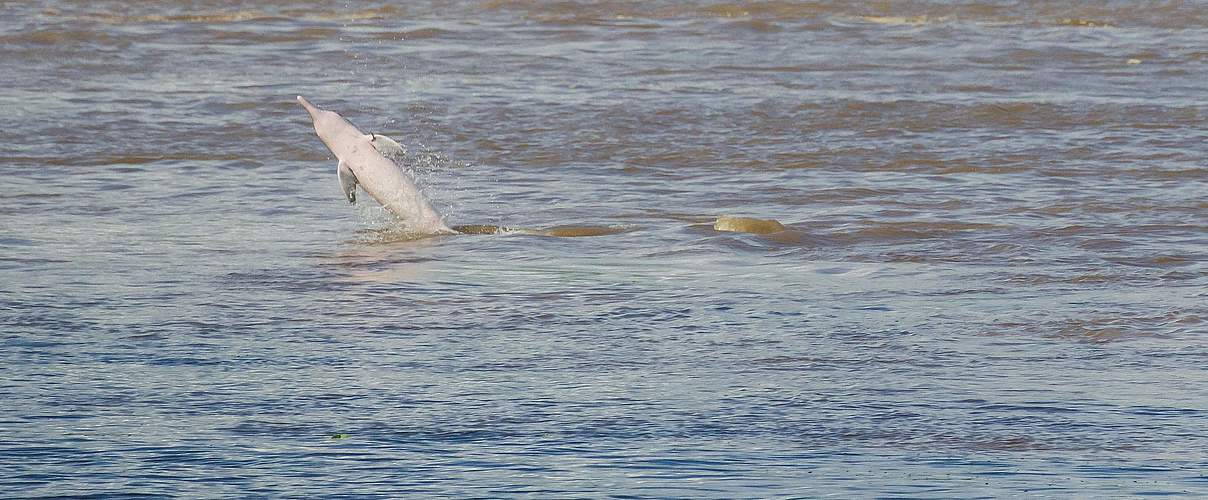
(362, 163)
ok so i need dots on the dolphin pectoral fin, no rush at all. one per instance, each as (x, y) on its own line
(348, 182)
(387, 146)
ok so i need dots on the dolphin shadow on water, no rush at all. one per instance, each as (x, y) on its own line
(365, 160)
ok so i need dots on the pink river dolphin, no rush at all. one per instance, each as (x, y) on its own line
(361, 163)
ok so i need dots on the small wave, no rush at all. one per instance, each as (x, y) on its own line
(394, 233)
(299, 35)
(757, 26)
(899, 20)
(206, 18)
(240, 16)
(1091, 332)
(573, 231)
(1082, 23)
(1112, 328)
(1080, 279)
(61, 37)
(773, 13)
(1162, 261)
(563, 231)
(133, 159)
(417, 34)
(846, 194)
(896, 231)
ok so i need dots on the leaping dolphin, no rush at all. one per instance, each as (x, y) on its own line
(361, 162)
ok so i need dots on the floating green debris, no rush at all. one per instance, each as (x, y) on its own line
(340, 436)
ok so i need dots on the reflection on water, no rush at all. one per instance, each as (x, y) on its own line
(988, 277)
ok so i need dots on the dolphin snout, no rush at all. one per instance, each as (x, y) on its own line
(310, 108)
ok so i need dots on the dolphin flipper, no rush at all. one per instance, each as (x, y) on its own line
(387, 146)
(348, 182)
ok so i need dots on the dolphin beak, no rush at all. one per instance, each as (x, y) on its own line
(310, 108)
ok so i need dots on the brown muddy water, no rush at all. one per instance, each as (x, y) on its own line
(992, 280)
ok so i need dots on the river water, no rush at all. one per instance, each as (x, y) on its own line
(995, 281)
